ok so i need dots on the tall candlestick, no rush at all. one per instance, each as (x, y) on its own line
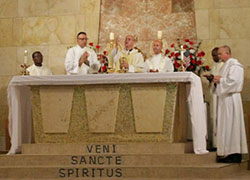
(159, 35)
(182, 53)
(25, 56)
(111, 36)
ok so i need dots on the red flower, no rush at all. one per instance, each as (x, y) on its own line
(191, 56)
(105, 52)
(207, 67)
(186, 40)
(167, 51)
(176, 64)
(191, 43)
(91, 44)
(97, 47)
(172, 54)
(193, 61)
(191, 67)
(177, 54)
(202, 53)
(172, 45)
(199, 62)
(185, 47)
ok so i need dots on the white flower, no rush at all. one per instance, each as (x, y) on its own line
(192, 51)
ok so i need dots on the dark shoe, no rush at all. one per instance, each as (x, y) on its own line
(231, 158)
(220, 158)
(212, 149)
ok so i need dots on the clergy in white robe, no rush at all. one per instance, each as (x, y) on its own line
(37, 69)
(231, 135)
(212, 125)
(215, 71)
(80, 59)
(158, 62)
(129, 59)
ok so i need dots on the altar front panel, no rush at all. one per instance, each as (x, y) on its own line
(126, 112)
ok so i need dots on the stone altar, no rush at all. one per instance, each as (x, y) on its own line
(102, 108)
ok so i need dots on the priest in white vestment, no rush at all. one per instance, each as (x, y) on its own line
(37, 69)
(231, 135)
(158, 62)
(80, 59)
(129, 59)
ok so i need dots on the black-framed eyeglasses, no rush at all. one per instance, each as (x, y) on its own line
(82, 39)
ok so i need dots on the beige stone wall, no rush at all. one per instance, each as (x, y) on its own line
(49, 26)
(226, 22)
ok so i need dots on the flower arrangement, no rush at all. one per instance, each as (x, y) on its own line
(192, 57)
(95, 48)
(103, 61)
(102, 57)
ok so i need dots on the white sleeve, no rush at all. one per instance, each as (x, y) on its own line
(93, 58)
(232, 82)
(94, 64)
(71, 65)
(29, 68)
(114, 51)
(146, 66)
(169, 65)
(117, 57)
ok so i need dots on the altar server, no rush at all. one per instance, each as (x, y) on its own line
(37, 69)
(231, 135)
(214, 72)
(80, 59)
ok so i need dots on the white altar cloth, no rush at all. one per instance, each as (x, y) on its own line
(20, 116)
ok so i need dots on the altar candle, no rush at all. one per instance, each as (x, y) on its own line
(111, 36)
(159, 35)
(182, 53)
(25, 56)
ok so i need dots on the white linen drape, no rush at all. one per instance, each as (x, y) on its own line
(20, 106)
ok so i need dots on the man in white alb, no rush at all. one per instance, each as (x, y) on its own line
(158, 62)
(214, 72)
(37, 69)
(231, 134)
(129, 59)
(80, 59)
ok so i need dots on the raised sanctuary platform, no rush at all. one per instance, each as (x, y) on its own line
(109, 126)
(127, 161)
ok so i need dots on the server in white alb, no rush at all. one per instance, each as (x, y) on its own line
(80, 59)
